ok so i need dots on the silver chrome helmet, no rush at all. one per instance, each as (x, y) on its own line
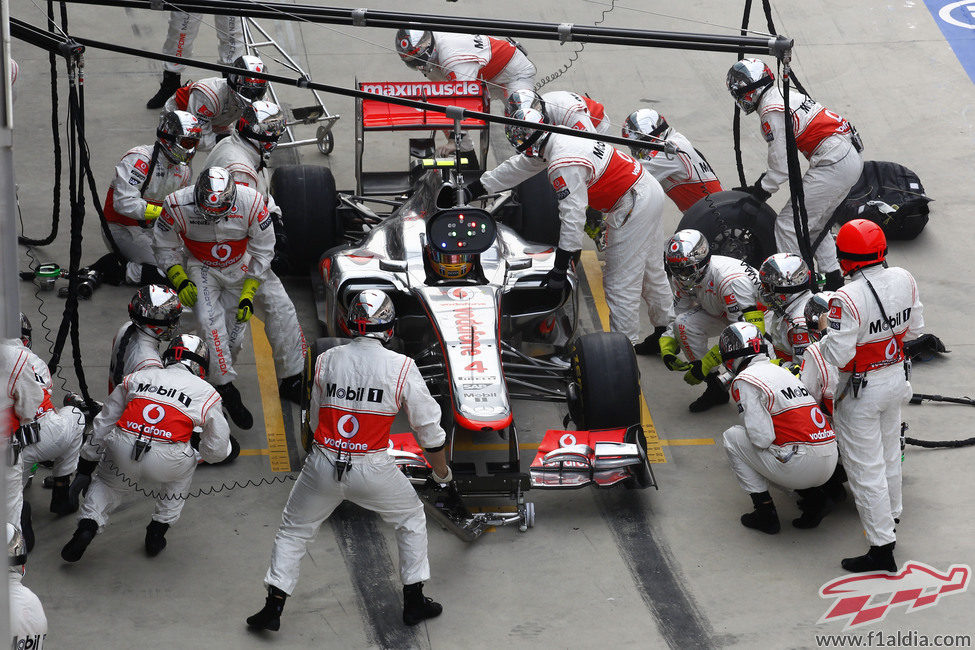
(415, 47)
(16, 550)
(523, 138)
(747, 81)
(25, 330)
(739, 343)
(191, 352)
(179, 135)
(687, 258)
(215, 193)
(155, 309)
(648, 125)
(262, 123)
(523, 98)
(782, 278)
(247, 89)
(816, 306)
(372, 314)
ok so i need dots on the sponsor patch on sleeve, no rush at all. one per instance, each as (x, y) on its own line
(204, 111)
(835, 314)
(731, 302)
(767, 131)
(560, 187)
(142, 165)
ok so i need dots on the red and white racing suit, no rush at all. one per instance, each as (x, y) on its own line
(823, 137)
(787, 328)
(786, 437)
(727, 291)
(161, 406)
(359, 388)
(586, 172)
(132, 349)
(28, 622)
(221, 255)
(20, 399)
(128, 196)
(244, 162)
(868, 422)
(469, 57)
(214, 104)
(182, 31)
(686, 177)
(61, 429)
(564, 108)
(819, 377)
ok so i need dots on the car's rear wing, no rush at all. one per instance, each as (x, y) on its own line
(376, 115)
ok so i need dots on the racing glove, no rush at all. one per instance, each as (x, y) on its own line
(756, 190)
(82, 479)
(556, 281)
(475, 189)
(151, 214)
(668, 352)
(756, 317)
(185, 287)
(245, 308)
(700, 368)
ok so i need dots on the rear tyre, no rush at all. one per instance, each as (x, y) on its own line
(607, 382)
(318, 349)
(736, 225)
(308, 201)
(539, 211)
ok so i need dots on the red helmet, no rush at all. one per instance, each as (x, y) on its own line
(860, 243)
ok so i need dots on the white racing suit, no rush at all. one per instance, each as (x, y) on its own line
(214, 104)
(727, 292)
(868, 420)
(132, 349)
(359, 388)
(786, 437)
(20, 398)
(469, 57)
(127, 198)
(182, 31)
(160, 406)
(787, 328)
(586, 172)
(685, 176)
(819, 377)
(221, 255)
(28, 623)
(824, 138)
(575, 111)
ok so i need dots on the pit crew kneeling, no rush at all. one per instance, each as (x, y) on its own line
(786, 437)
(349, 459)
(143, 433)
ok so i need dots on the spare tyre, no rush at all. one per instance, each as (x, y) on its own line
(308, 200)
(606, 382)
(539, 220)
(736, 225)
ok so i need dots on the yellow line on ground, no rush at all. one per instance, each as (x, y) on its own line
(277, 439)
(594, 274)
(681, 442)
(254, 452)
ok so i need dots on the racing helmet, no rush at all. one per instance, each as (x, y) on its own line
(215, 193)
(190, 351)
(647, 125)
(747, 80)
(262, 123)
(155, 309)
(739, 343)
(372, 314)
(860, 243)
(450, 266)
(25, 330)
(816, 306)
(523, 138)
(247, 89)
(782, 277)
(415, 47)
(179, 135)
(523, 98)
(687, 258)
(16, 550)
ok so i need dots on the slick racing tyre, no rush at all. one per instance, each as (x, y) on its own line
(539, 221)
(736, 225)
(318, 349)
(307, 198)
(606, 391)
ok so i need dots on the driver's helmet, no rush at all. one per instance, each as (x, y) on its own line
(247, 89)
(155, 309)
(646, 125)
(687, 258)
(523, 138)
(783, 277)
(372, 314)
(262, 123)
(215, 193)
(179, 135)
(521, 99)
(450, 266)
(415, 48)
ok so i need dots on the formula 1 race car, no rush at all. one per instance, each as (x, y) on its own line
(473, 313)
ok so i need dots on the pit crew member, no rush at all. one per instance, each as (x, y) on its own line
(784, 282)
(562, 108)
(21, 395)
(246, 152)
(28, 623)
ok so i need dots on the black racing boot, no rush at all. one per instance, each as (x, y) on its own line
(61, 503)
(155, 537)
(169, 85)
(878, 558)
(152, 275)
(75, 548)
(416, 606)
(814, 505)
(290, 388)
(715, 395)
(26, 527)
(269, 618)
(111, 267)
(651, 344)
(834, 280)
(235, 407)
(763, 517)
(834, 486)
(232, 456)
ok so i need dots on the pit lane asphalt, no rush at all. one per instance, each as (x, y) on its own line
(571, 581)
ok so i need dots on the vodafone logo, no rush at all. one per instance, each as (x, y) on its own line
(818, 417)
(405, 44)
(153, 413)
(891, 351)
(567, 440)
(460, 293)
(674, 247)
(348, 426)
(221, 252)
(214, 198)
(967, 11)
